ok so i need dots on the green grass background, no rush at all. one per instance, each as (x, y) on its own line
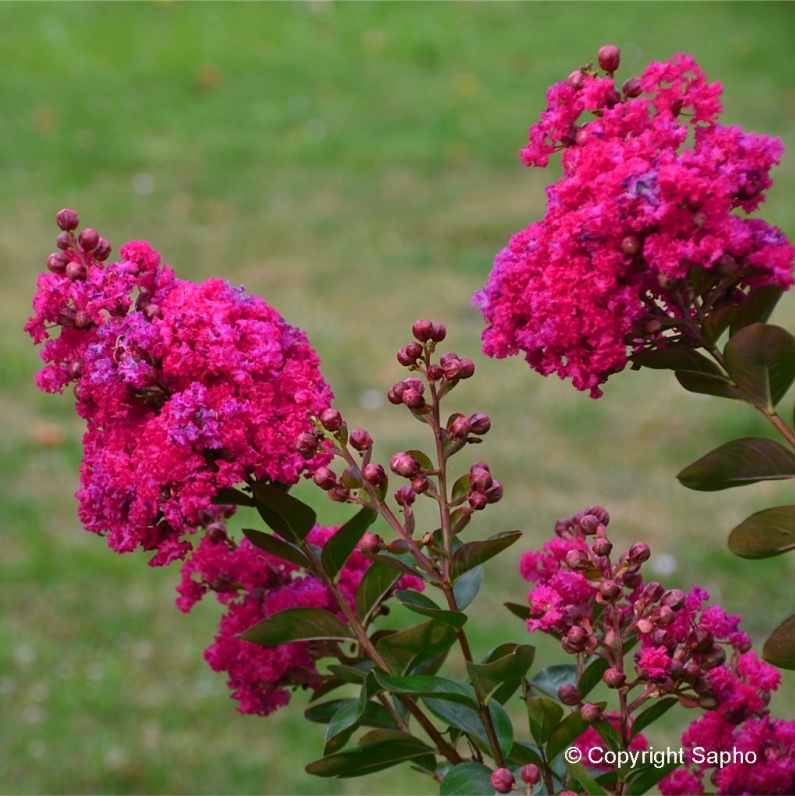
(356, 165)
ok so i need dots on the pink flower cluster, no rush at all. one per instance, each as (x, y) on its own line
(185, 389)
(636, 213)
(254, 585)
(687, 649)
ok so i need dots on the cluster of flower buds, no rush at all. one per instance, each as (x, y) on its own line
(483, 489)
(503, 780)
(609, 58)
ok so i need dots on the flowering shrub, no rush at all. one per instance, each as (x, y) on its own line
(200, 400)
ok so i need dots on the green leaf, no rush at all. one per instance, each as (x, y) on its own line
(467, 779)
(761, 360)
(586, 781)
(402, 562)
(609, 734)
(592, 676)
(339, 547)
(380, 749)
(544, 714)
(420, 604)
(517, 609)
(287, 551)
(473, 554)
(779, 649)
(232, 497)
(523, 753)
(461, 486)
(739, 462)
(705, 384)
(468, 721)
(652, 713)
(351, 674)
(425, 685)
(764, 534)
(348, 717)
(298, 624)
(405, 650)
(285, 514)
(757, 307)
(374, 585)
(549, 680)
(466, 588)
(571, 728)
(716, 323)
(644, 779)
(676, 358)
(323, 711)
(499, 679)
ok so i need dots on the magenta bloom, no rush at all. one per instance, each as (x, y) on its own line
(185, 389)
(636, 210)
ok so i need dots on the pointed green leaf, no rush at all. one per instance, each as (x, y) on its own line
(425, 685)
(298, 624)
(466, 588)
(349, 716)
(544, 714)
(420, 604)
(425, 463)
(468, 721)
(400, 562)
(779, 649)
(523, 753)
(232, 497)
(587, 782)
(764, 534)
(339, 547)
(351, 674)
(280, 548)
(742, 461)
(467, 779)
(461, 486)
(473, 554)
(549, 680)
(571, 728)
(500, 678)
(285, 514)
(761, 360)
(676, 358)
(705, 384)
(757, 307)
(609, 734)
(652, 713)
(517, 609)
(380, 749)
(325, 688)
(405, 650)
(592, 676)
(642, 780)
(374, 586)
(716, 323)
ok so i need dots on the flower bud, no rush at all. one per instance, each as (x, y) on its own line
(422, 330)
(409, 354)
(325, 478)
(306, 445)
(435, 373)
(713, 657)
(57, 262)
(82, 320)
(395, 393)
(576, 638)
(600, 513)
(530, 774)
(76, 271)
(460, 427)
(708, 701)
(479, 479)
(653, 591)
(331, 420)
(351, 477)
(609, 58)
(405, 496)
(602, 546)
(576, 79)
(480, 424)
(590, 713)
(662, 638)
(371, 543)
(64, 241)
(451, 365)
(152, 311)
(673, 599)
(75, 369)
(614, 678)
(502, 780)
(662, 616)
(632, 580)
(494, 493)
(691, 671)
(563, 527)
(88, 239)
(631, 244)
(569, 694)
(438, 332)
(612, 98)
(467, 369)
(360, 439)
(404, 464)
(589, 524)
(610, 591)
(631, 87)
(478, 500)
(374, 474)
(102, 250)
(339, 495)
(67, 219)
(412, 399)
(639, 552)
(398, 546)
(578, 559)
(420, 484)
(700, 640)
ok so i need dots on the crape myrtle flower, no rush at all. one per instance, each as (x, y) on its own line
(185, 389)
(639, 209)
(253, 585)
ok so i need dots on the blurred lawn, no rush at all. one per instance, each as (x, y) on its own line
(356, 165)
